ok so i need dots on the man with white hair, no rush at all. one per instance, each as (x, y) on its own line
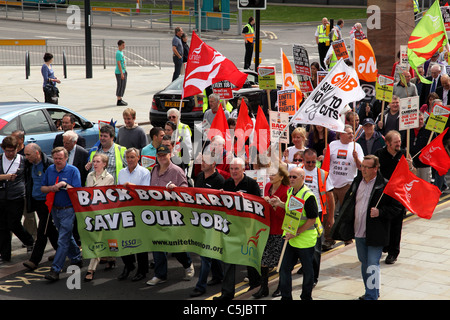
(322, 40)
(77, 155)
(238, 182)
(435, 79)
(357, 32)
(210, 114)
(182, 131)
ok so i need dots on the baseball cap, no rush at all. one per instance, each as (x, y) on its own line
(163, 149)
(368, 121)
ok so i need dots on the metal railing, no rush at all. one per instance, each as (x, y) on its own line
(118, 16)
(102, 54)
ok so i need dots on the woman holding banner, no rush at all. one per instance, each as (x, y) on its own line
(96, 178)
(278, 186)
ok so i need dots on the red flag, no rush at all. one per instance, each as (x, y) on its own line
(435, 155)
(219, 126)
(50, 198)
(326, 160)
(417, 195)
(206, 66)
(262, 132)
(244, 125)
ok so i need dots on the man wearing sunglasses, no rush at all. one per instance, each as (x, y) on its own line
(322, 187)
(301, 245)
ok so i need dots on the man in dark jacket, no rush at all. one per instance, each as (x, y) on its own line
(366, 218)
(389, 156)
(36, 164)
(370, 140)
(419, 138)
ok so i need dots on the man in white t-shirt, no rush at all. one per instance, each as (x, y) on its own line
(323, 191)
(345, 159)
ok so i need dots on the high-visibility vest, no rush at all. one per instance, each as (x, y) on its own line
(119, 153)
(205, 101)
(322, 31)
(333, 61)
(250, 33)
(183, 127)
(416, 6)
(308, 238)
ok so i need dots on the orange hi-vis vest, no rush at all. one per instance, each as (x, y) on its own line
(250, 34)
(322, 176)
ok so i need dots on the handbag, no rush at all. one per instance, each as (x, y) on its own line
(52, 92)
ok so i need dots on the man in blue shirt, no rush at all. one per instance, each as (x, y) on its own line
(177, 50)
(58, 178)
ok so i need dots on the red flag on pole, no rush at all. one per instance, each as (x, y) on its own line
(262, 132)
(244, 125)
(326, 160)
(417, 195)
(50, 198)
(219, 126)
(206, 66)
(435, 155)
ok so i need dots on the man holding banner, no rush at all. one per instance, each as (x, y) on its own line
(302, 204)
(238, 182)
(58, 178)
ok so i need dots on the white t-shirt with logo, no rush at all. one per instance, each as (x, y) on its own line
(313, 184)
(342, 165)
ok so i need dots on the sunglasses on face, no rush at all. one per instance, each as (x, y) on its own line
(297, 160)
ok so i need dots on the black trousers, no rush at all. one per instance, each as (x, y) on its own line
(10, 221)
(229, 279)
(395, 235)
(248, 55)
(323, 49)
(46, 230)
(142, 260)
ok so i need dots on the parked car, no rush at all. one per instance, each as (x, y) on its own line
(190, 112)
(39, 122)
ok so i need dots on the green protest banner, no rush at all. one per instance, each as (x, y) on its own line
(117, 221)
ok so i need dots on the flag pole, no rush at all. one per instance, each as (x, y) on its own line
(379, 200)
(282, 254)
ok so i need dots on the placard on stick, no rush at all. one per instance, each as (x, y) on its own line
(292, 218)
(278, 123)
(409, 113)
(267, 78)
(287, 101)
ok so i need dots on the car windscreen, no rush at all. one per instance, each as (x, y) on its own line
(176, 85)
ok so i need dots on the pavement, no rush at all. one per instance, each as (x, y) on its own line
(422, 271)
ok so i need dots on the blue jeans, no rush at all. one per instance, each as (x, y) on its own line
(67, 247)
(291, 255)
(160, 260)
(369, 256)
(209, 264)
